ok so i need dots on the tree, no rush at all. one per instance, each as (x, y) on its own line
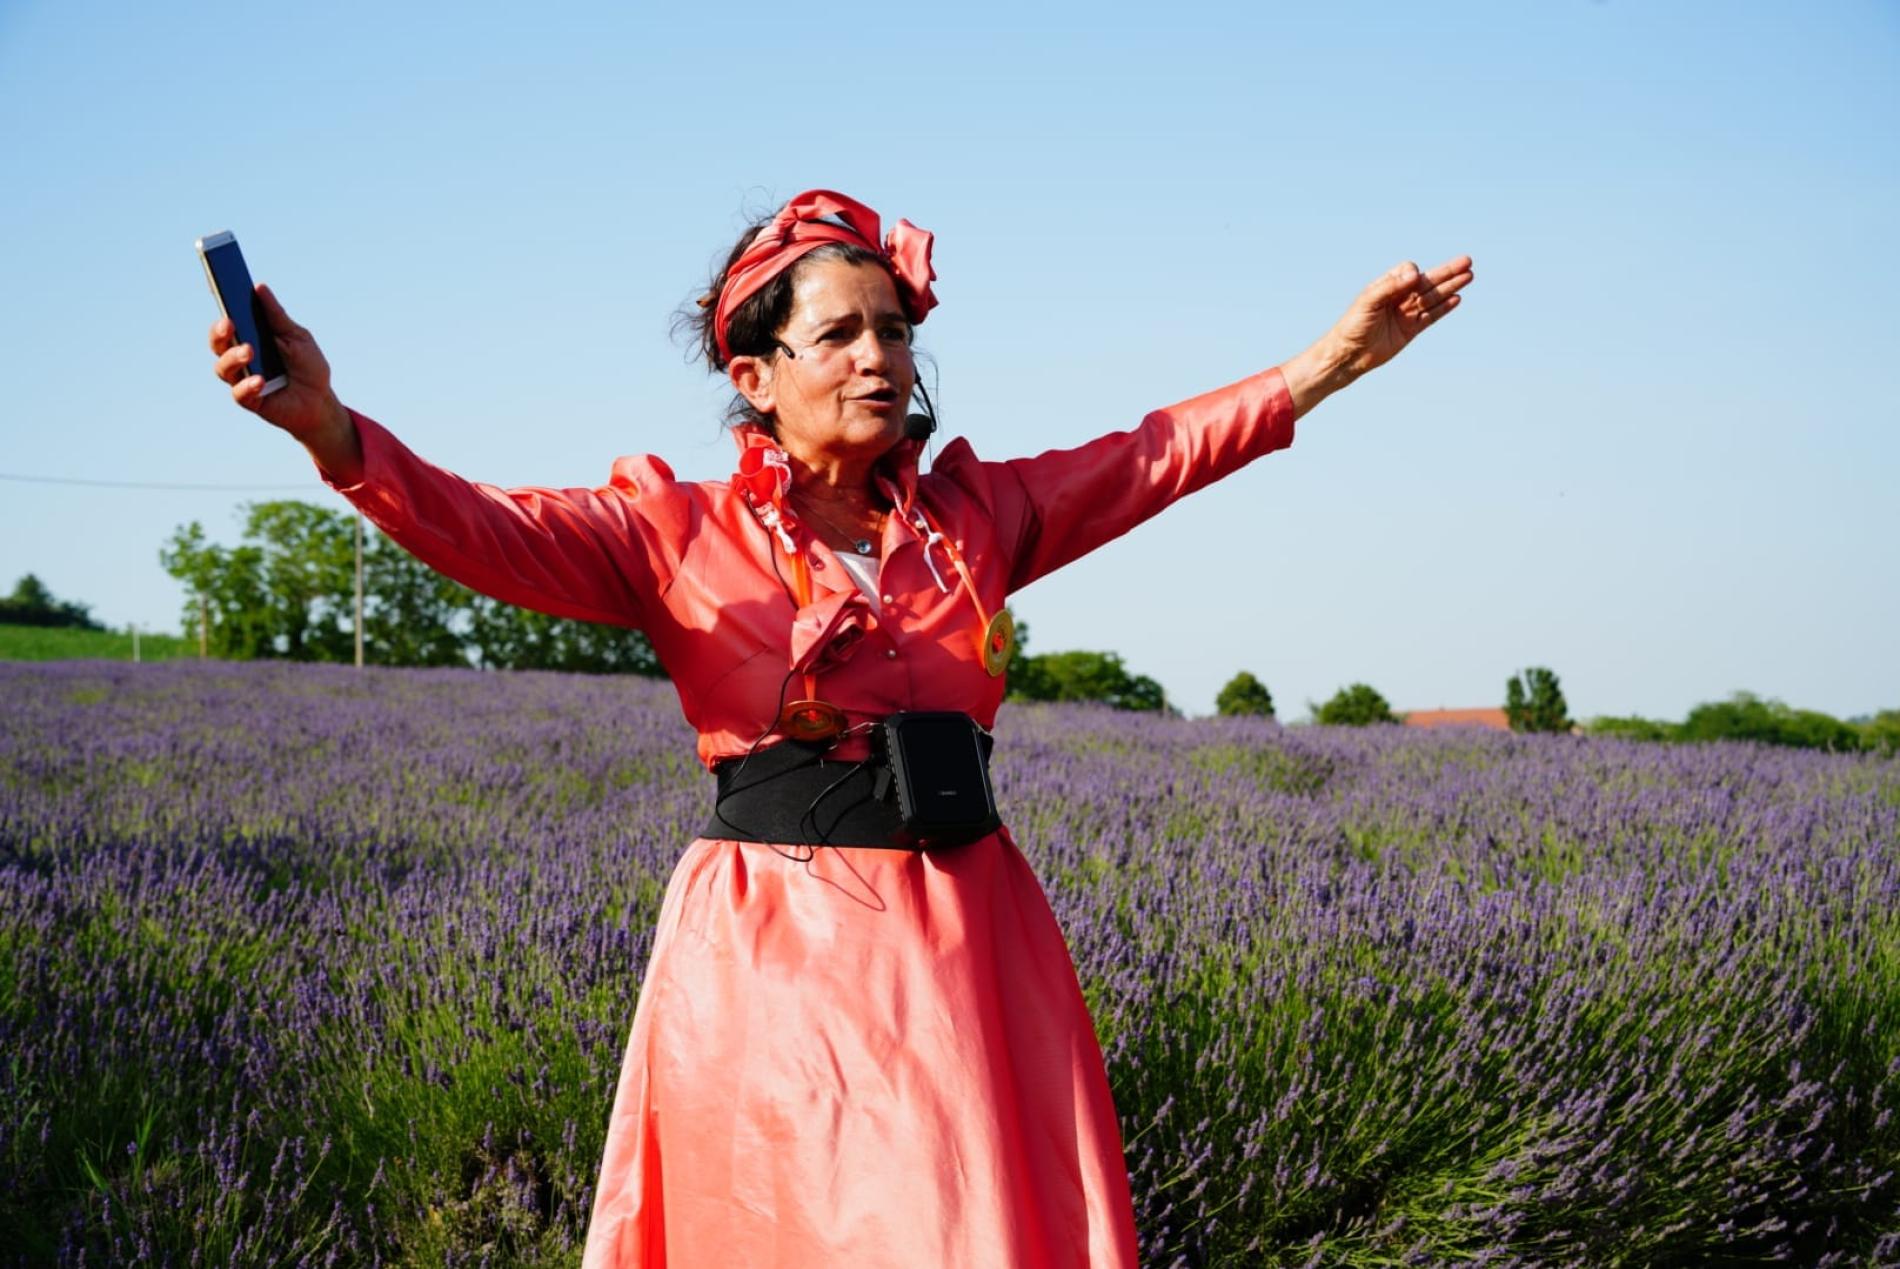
(1078, 676)
(1632, 727)
(1243, 695)
(505, 637)
(309, 577)
(289, 591)
(1745, 716)
(1092, 676)
(1355, 706)
(32, 604)
(30, 595)
(412, 615)
(1023, 676)
(1533, 701)
(1881, 733)
(225, 592)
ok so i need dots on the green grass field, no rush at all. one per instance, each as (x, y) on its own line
(53, 643)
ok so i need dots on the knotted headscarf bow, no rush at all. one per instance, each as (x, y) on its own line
(805, 224)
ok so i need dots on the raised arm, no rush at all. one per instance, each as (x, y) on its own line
(1065, 503)
(1058, 506)
(591, 554)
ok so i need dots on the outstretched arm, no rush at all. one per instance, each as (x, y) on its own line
(590, 554)
(1388, 315)
(1058, 506)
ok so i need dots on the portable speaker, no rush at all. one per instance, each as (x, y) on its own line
(939, 766)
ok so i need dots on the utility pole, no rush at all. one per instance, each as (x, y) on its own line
(359, 590)
(204, 627)
(135, 643)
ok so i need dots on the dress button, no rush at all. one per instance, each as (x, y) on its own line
(887, 599)
(891, 655)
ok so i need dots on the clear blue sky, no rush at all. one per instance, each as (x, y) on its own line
(1656, 449)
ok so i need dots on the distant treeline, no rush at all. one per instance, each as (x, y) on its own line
(1534, 702)
(1078, 676)
(1746, 716)
(288, 591)
(31, 604)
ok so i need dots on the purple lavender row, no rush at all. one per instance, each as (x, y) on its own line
(307, 965)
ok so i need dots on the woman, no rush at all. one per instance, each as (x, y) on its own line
(843, 1053)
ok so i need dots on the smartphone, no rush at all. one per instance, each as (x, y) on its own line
(231, 283)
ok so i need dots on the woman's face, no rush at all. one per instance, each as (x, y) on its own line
(843, 392)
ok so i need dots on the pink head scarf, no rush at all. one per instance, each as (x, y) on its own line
(810, 221)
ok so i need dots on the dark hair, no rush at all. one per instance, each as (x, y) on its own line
(753, 331)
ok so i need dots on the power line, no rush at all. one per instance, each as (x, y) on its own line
(151, 484)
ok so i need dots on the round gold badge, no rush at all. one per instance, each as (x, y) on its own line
(811, 720)
(999, 640)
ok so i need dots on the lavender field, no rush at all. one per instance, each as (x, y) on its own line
(307, 965)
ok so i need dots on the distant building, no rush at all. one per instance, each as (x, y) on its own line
(1492, 718)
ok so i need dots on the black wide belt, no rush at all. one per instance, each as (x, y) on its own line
(792, 795)
(926, 785)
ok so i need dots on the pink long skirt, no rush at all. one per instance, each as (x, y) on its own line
(876, 1058)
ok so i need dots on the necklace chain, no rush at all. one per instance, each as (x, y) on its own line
(862, 545)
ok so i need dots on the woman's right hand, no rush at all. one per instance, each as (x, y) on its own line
(305, 406)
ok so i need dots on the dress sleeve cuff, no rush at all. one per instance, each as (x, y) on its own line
(1280, 412)
(374, 492)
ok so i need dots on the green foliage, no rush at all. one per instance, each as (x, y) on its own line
(31, 604)
(505, 637)
(1090, 676)
(1244, 694)
(288, 590)
(1354, 706)
(1881, 733)
(1079, 676)
(1282, 768)
(62, 643)
(1746, 716)
(412, 615)
(1631, 728)
(230, 590)
(1021, 674)
(307, 573)
(1533, 701)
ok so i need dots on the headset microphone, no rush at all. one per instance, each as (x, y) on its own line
(918, 427)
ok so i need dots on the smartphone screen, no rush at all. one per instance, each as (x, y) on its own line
(232, 282)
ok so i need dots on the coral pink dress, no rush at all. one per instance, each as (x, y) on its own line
(876, 1057)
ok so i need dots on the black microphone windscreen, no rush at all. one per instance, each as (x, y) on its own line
(918, 427)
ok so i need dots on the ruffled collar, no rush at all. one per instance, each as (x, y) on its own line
(764, 480)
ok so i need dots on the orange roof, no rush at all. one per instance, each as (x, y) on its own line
(1493, 718)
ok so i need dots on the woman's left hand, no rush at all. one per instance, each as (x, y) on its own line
(1391, 312)
(1386, 317)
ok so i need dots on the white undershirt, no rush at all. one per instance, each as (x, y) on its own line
(863, 570)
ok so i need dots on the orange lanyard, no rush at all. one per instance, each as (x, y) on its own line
(809, 718)
(998, 639)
